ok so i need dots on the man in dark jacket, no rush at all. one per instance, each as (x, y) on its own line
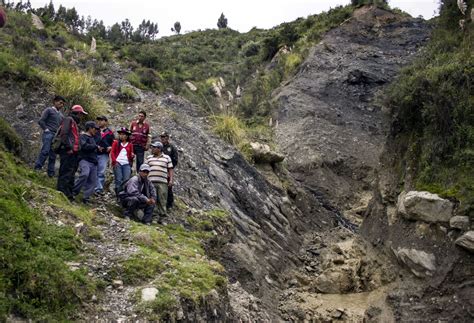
(87, 163)
(68, 152)
(104, 138)
(50, 120)
(139, 193)
(170, 150)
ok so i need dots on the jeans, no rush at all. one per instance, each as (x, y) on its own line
(139, 152)
(102, 159)
(122, 173)
(86, 179)
(67, 170)
(131, 204)
(46, 152)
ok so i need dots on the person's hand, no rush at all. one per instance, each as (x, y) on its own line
(150, 201)
(69, 152)
(109, 149)
(170, 183)
(100, 148)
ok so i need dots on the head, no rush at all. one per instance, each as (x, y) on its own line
(59, 102)
(165, 137)
(141, 116)
(124, 134)
(91, 127)
(144, 171)
(102, 121)
(156, 148)
(77, 111)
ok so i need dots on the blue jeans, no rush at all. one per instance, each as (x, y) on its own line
(102, 159)
(86, 179)
(122, 173)
(46, 152)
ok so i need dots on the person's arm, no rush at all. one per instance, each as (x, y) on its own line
(109, 139)
(152, 191)
(113, 153)
(65, 130)
(170, 176)
(88, 143)
(42, 120)
(174, 155)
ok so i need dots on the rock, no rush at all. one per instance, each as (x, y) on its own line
(459, 222)
(78, 228)
(149, 294)
(117, 283)
(333, 282)
(37, 23)
(93, 45)
(466, 241)
(420, 263)
(191, 86)
(424, 206)
(114, 93)
(262, 154)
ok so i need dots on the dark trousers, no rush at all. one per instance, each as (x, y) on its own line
(87, 179)
(170, 200)
(139, 152)
(67, 170)
(131, 204)
(46, 153)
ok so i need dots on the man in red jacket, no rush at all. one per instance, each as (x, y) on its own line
(140, 137)
(68, 152)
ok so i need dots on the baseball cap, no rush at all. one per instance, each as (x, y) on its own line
(124, 130)
(145, 168)
(78, 109)
(90, 124)
(164, 134)
(102, 118)
(157, 144)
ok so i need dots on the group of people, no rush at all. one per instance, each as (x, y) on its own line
(91, 150)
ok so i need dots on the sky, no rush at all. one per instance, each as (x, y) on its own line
(242, 15)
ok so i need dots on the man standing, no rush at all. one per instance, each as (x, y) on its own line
(139, 193)
(87, 163)
(170, 150)
(104, 138)
(161, 175)
(140, 137)
(68, 152)
(50, 120)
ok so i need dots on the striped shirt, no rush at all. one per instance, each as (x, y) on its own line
(159, 168)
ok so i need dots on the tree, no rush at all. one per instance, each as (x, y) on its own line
(222, 22)
(127, 29)
(114, 34)
(177, 27)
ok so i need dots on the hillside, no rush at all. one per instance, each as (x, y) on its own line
(348, 97)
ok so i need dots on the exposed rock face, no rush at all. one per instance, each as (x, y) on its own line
(459, 222)
(424, 206)
(262, 154)
(466, 241)
(420, 263)
(330, 107)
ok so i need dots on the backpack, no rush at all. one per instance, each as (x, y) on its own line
(56, 144)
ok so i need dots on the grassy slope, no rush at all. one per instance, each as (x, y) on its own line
(433, 107)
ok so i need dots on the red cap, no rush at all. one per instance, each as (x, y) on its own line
(78, 108)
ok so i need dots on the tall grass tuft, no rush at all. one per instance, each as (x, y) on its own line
(229, 128)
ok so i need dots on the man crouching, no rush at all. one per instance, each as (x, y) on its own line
(139, 194)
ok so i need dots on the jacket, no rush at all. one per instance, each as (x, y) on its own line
(88, 150)
(50, 119)
(170, 150)
(69, 134)
(139, 134)
(116, 148)
(134, 188)
(104, 139)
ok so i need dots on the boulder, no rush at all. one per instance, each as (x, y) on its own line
(424, 206)
(191, 86)
(466, 241)
(420, 263)
(37, 23)
(149, 294)
(262, 154)
(459, 222)
(334, 281)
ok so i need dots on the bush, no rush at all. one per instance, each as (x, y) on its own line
(229, 128)
(128, 94)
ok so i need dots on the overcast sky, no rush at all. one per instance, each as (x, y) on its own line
(242, 15)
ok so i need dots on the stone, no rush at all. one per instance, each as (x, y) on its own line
(466, 241)
(93, 45)
(420, 263)
(78, 228)
(424, 206)
(190, 86)
(262, 154)
(459, 222)
(149, 294)
(333, 282)
(117, 283)
(37, 23)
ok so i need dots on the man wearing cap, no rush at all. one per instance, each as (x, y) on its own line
(87, 162)
(170, 150)
(68, 152)
(140, 137)
(104, 138)
(50, 120)
(161, 175)
(139, 193)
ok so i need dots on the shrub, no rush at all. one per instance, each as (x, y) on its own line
(128, 94)
(229, 128)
